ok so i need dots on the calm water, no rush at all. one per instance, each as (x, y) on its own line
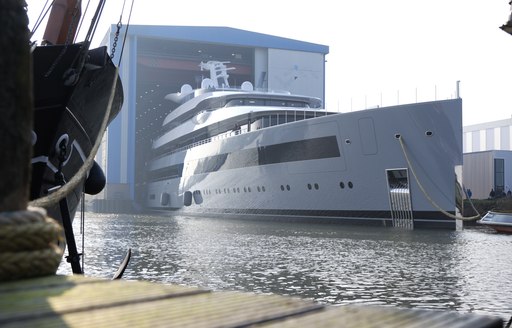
(465, 271)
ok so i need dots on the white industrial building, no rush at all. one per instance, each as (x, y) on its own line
(487, 151)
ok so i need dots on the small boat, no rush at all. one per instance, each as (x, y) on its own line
(499, 221)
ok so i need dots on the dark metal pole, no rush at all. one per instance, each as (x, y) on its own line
(74, 257)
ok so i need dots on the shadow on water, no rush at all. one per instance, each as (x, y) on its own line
(465, 271)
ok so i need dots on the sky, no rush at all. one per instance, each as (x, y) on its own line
(380, 52)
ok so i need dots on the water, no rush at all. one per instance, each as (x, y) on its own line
(467, 271)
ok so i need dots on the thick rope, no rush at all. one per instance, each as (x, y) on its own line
(84, 170)
(432, 202)
(29, 244)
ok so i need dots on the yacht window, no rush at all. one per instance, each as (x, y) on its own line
(290, 117)
(254, 102)
(310, 114)
(296, 104)
(276, 103)
(235, 102)
(273, 120)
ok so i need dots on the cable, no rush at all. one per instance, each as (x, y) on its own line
(425, 192)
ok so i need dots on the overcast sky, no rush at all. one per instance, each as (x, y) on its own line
(380, 52)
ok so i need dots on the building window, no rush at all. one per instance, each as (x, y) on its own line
(499, 176)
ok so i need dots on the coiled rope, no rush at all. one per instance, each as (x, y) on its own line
(29, 244)
(432, 202)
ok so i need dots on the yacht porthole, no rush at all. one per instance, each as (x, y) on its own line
(263, 188)
(288, 187)
(282, 187)
(348, 142)
(397, 135)
(429, 133)
(309, 186)
(350, 185)
(249, 189)
(316, 186)
(342, 185)
(259, 189)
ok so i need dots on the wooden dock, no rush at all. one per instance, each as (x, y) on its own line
(76, 301)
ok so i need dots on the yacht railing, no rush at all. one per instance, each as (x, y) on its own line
(297, 116)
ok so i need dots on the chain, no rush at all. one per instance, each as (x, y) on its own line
(116, 37)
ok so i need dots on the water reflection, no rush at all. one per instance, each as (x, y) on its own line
(466, 271)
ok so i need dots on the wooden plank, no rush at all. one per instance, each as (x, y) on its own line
(198, 310)
(46, 282)
(75, 301)
(208, 310)
(351, 316)
(63, 295)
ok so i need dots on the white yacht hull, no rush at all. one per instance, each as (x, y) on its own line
(335, 168)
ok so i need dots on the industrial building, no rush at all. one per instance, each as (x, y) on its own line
(158, 60)
(487, 151)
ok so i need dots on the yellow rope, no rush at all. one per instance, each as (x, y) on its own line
(29, 244)
(425, 192)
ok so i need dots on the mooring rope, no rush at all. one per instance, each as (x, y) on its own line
(432, 202)
(84, 169)
(29, 244)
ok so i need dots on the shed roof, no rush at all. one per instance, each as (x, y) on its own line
(223, 35)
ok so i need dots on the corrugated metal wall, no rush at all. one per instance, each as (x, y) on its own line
(478, 174)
